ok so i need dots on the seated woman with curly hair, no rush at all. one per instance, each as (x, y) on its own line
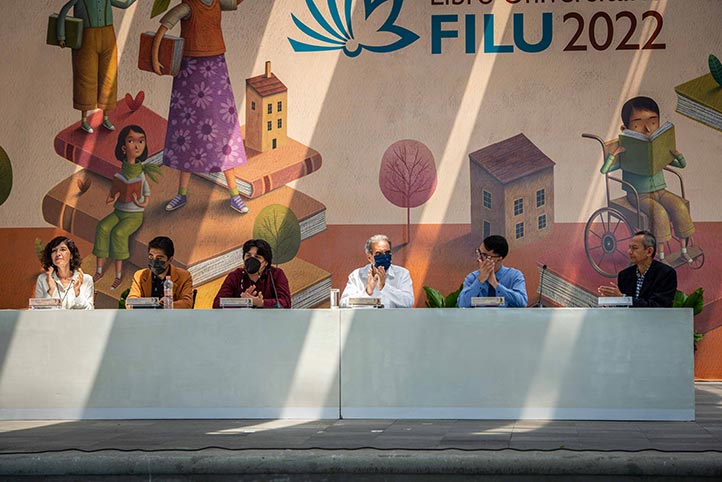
(63, 279)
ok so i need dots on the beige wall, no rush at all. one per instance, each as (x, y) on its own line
(352, 109)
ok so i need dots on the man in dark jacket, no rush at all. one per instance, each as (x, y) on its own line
(651, 284)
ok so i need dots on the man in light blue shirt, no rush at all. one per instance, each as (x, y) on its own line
(493, 278)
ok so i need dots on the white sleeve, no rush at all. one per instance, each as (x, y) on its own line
(41, 287)
(86, 299)
(355, 288)
(399, 296)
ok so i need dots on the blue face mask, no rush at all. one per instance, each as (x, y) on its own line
(383, 260)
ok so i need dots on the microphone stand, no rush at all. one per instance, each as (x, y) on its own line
(541, 287)
(273, 284)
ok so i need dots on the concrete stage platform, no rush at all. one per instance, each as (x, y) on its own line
(366, 449)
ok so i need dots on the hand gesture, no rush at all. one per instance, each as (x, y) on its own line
(486, 268)
(492, 279)
(611, 290)
(61, 43)
(371, 281)
(112, 198)
(675, 153)
(380, 277)
(51, 282)
(256, 296)
(78, 282)
(618, 150)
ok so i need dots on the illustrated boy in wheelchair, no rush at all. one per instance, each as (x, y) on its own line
(647, 203)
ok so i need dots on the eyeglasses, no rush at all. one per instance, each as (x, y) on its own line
(484, 256)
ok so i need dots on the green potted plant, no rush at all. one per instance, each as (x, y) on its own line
(694, 300)
(435, 299)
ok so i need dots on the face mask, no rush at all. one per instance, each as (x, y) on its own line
(383, 260)
(157, 266)
(252, 265)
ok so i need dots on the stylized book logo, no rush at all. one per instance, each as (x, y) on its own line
(380, 34)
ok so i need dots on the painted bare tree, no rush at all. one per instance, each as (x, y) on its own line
(408, 176)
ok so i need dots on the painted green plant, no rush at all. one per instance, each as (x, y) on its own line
(715, 68)
(6, 176)
(279, 226)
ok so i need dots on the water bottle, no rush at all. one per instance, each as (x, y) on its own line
(167, 293)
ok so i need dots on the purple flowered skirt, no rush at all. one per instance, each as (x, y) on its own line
(203, 134)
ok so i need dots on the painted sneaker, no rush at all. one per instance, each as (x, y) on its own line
(238, 205)
(97, 276)
(108, 125)
(86, 127)
(177, 202)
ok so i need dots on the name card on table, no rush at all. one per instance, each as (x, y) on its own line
(45, 303)
(236, 303)
(149, 303)
(365, 303)
(487, 301)
(614, 301)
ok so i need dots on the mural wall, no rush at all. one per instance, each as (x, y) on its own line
(320, 123)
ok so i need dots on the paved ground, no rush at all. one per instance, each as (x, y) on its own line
(369, 446)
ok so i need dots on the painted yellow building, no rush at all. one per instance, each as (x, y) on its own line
(266, 112)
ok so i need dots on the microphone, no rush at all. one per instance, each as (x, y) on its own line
(273, 284)
(541, 288)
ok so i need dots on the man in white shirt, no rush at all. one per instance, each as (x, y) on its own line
(379, 279)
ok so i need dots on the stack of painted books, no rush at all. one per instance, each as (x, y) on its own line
(208, 234)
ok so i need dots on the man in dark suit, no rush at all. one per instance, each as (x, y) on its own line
(651, 284)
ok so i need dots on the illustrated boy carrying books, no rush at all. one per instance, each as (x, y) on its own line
(647, 150)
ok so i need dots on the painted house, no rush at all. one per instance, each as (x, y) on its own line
(512, 191)
(266, 112)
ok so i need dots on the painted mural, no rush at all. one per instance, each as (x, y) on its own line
(564, 126)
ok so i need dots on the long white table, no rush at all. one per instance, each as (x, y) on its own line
(610, 364)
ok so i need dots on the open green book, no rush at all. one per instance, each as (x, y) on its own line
(647, 155)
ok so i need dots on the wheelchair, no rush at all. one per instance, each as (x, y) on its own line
(609, 229)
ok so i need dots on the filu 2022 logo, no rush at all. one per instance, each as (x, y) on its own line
(377, 26)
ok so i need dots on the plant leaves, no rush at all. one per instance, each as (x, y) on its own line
(453, 297)
(123, 297)
(679, 299)
(715, 68)
(39, 248)
(434, 298)
(159, 6)
(696, 300)
(279, 226)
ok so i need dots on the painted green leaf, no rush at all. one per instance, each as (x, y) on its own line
(159, 6)
(6, 176)
(279, 226)
(715, 68)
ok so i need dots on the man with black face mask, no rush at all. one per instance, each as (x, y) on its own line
(148, 282)
(256, 279)
(379, 279)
